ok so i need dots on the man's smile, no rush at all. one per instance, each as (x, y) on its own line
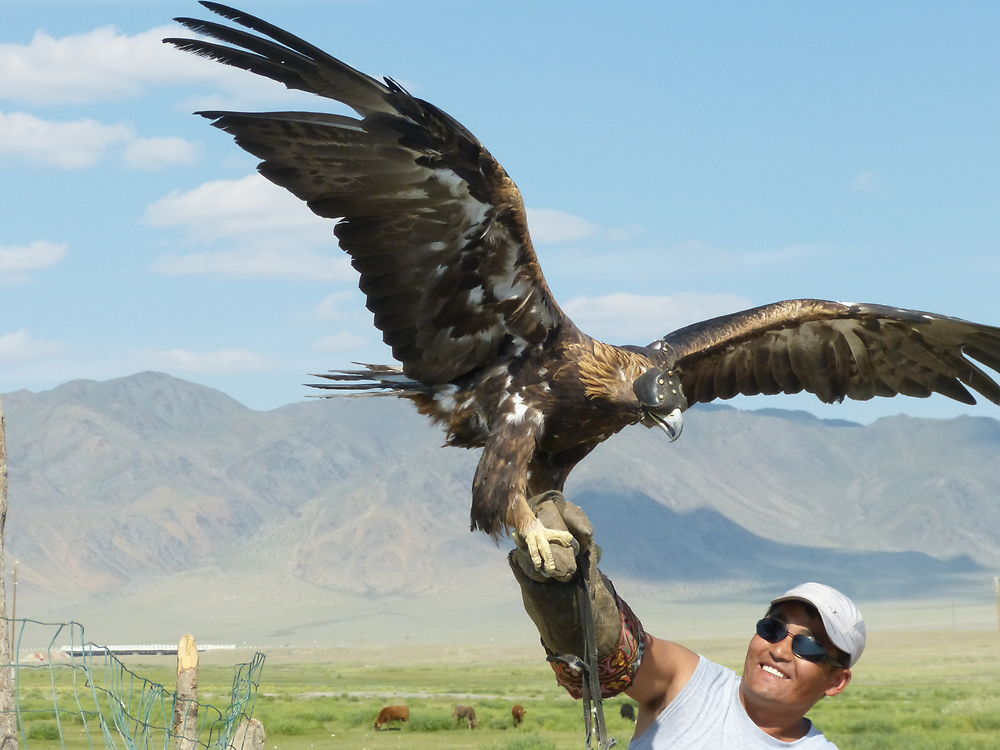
(774, 671)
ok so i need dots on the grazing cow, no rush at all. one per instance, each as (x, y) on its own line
(628, 711)
(392, 713)
(468, 713)
(518, 713)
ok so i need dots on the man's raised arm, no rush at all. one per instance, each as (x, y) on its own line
(650, 670)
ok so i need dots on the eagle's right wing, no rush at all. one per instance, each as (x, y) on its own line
(835, 350)
(433, 224)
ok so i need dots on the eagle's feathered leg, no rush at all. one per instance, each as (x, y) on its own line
(500, 491)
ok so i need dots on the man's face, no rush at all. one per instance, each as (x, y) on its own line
(774, 679)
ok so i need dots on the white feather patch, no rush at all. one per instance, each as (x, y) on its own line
(518, 408)
(445, 397)
(475, 212)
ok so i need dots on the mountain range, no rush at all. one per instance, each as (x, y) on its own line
(152, 499)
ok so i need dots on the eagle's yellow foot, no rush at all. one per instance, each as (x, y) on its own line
(538, 540)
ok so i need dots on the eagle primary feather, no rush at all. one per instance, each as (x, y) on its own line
(438, 234)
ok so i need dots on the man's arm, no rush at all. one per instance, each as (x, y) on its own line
(665, 670)
(650, 670)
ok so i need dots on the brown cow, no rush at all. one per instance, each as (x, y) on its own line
(628, 711)
(468, 713)
(392, 713)
(518, 713)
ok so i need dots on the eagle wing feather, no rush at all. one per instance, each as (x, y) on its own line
(433, 224)
(836, 350)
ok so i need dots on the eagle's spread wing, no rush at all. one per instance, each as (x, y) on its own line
(835, 350)
(431, 221)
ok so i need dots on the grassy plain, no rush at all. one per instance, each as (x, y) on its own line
(913, 689)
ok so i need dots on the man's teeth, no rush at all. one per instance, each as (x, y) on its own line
(775, 672)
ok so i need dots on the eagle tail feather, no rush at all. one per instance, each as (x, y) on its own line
(374, 380)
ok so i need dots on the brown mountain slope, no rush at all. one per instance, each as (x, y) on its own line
(118, 488)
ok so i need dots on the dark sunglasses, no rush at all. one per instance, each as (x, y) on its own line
(803, 646)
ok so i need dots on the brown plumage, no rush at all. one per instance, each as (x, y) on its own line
(438, 234)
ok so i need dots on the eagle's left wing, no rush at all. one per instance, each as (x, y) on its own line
(433, 224)
(835, 350)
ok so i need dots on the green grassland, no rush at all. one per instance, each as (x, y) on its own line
(914, 690)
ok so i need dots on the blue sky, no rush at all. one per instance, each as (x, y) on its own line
(679, 160)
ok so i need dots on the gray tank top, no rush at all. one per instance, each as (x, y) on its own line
(708, 715)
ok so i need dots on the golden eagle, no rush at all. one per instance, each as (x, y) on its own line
(437, 231)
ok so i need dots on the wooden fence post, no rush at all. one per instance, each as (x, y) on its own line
(186, 705)
(8, 717)
(250, 735)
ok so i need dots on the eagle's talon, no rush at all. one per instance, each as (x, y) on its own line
(539, 540)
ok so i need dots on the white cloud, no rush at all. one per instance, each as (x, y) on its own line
(293, 263)
(20, 345)
(32, 257)
(97, 65)
(250, 208)
(17, 261)
(549, 225)
(643, 266)
(274, 229)
(332, 306)
(79, 144)
(639, 319)
(155, 153)
(106, 64)
(868, 181)
(219, 361)
(66, 145)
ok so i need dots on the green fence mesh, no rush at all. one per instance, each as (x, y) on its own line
(73, 694)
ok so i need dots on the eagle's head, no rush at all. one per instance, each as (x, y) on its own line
(661, 400)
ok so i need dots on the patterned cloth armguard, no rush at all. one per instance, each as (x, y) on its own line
(616, 670)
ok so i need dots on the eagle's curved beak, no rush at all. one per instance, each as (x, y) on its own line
(672, 423)
(661, 398)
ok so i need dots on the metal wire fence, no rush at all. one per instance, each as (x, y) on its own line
(70, 693)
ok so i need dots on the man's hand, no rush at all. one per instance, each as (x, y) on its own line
(555, 512)
(552, 602)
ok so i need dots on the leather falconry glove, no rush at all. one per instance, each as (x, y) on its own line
(552, 603)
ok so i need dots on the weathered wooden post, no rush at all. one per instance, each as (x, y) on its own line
(8, 717)
(186, 704)
(250, 735)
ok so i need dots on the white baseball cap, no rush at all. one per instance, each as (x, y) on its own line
(842, 619)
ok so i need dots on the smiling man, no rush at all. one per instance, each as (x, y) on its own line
(802, 651)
